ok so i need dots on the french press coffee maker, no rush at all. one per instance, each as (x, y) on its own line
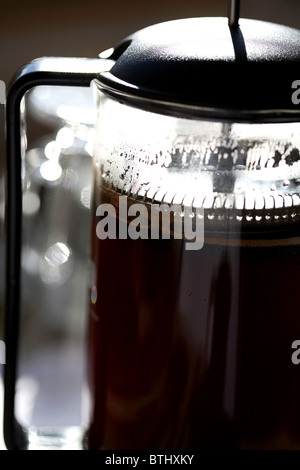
(195, 247)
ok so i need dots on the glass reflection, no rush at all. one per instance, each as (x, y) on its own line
(31, 203)
(71, 179)
(56, 174)
(65, 137)
(56, 267)
(57, 254)
(86, 196)
(51, 171)
(52, 150)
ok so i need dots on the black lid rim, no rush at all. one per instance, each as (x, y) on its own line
(147, 100)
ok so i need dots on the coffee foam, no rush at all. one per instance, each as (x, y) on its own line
(224, 226)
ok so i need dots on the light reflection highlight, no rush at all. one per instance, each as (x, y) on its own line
(57, 254)
(65, 137)
(86, 197)
(35, 157)
(52, 150)
(94, 294)
(51, 170)
(56, 266)
(30, 260)
(71, 179)
(31, 203)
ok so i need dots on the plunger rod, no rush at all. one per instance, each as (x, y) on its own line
(234, 13)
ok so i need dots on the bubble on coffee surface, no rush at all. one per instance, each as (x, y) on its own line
(219, 167)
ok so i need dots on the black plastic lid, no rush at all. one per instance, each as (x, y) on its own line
(245, 72)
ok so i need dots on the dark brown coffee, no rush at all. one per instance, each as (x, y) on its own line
(192, 349)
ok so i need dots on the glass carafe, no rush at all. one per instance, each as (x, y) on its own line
(191, 327)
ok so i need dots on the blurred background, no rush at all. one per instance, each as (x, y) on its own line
(54, 260)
